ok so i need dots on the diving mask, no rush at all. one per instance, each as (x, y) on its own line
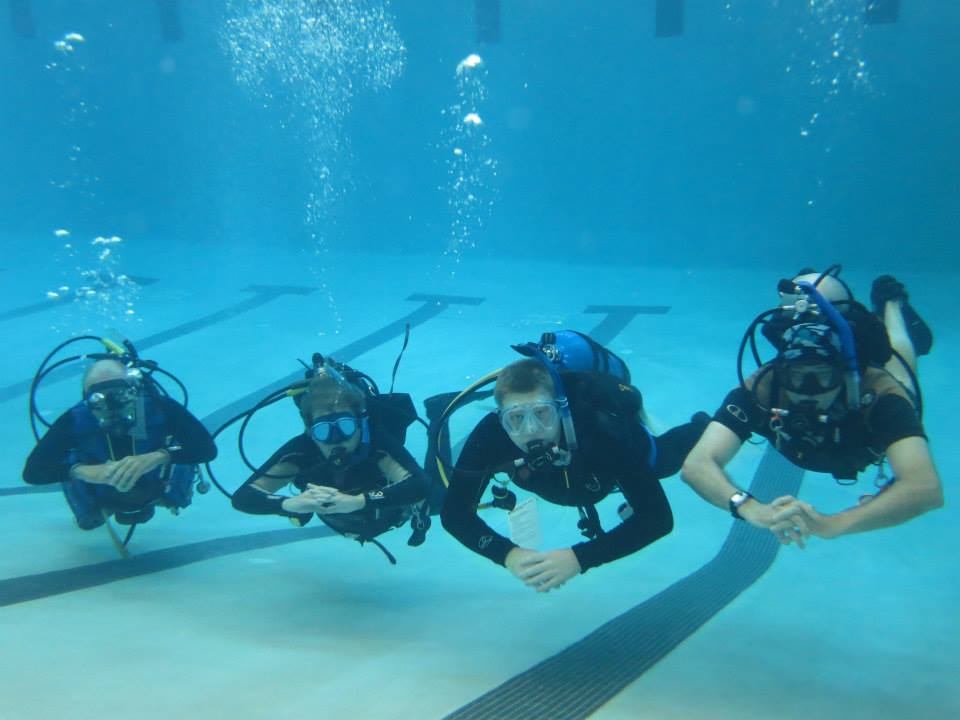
(530, 418)
(810, 378)
(113, 402)
(335, 428)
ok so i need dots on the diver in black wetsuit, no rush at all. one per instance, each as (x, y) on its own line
(529, 439)
(350, 471)
(121, 451)
(836, 399)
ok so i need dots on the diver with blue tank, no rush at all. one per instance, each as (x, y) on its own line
(570, 428)
(841, 395)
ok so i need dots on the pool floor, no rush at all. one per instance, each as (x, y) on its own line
(194, 625)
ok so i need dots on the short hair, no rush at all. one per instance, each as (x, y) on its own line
(523, 376)
(102, 370)
(325, 394)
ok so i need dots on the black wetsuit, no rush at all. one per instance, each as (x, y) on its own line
(614, 451)
(388, 477)
(844, 447)
(183, 436)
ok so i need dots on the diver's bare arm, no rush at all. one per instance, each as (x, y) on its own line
(93, 474)
(703, 468)
(917, 490)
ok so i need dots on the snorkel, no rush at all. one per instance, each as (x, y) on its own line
(852, 374)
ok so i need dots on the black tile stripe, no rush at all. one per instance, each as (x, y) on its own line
(576, 682)
(34, 587)
(51, 303)
(262, 294)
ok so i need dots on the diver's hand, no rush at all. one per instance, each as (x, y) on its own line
(550, 570)
(787, 523)
(334, 502)
(516, 558)
(803, 515)
(309, 501)
(124, 473)
(766, 517)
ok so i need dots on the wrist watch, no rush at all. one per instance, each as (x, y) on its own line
(736, 500)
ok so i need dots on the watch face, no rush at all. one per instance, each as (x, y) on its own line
(739, 498)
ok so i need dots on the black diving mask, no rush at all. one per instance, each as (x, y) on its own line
(113, 402)
(810, 378)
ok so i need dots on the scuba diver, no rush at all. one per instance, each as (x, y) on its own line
(349, 466)
(125, 448)
(569, 428)
(842, 394)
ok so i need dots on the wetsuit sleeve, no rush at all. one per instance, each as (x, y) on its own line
(459, 514)
(251, 499)
(674, 445)
(406, 483)
(892, 419)
(49, 462)
(195, 443)
(652, 518)
(740, 413)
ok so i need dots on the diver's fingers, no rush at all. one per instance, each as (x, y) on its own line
(782, 537)
(551, 584)
(118, 474)
(542, 582)
(790, 534)
(125, 480)
(795, 521)
(783, 500)
(116, 467)
(534, 574)
(787, 514)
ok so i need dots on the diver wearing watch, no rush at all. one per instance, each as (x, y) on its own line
(736, 500)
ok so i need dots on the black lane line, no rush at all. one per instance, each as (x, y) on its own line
(668, 19)
(29, 490)
(21, 18)
(51, 303)
(577, 681)
(171, 28)
(881, 11)
(486, 13)
(432, 306)
(34, 587)
(617, 318)
(262, 294)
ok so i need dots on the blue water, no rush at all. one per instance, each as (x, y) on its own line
(610, 167)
